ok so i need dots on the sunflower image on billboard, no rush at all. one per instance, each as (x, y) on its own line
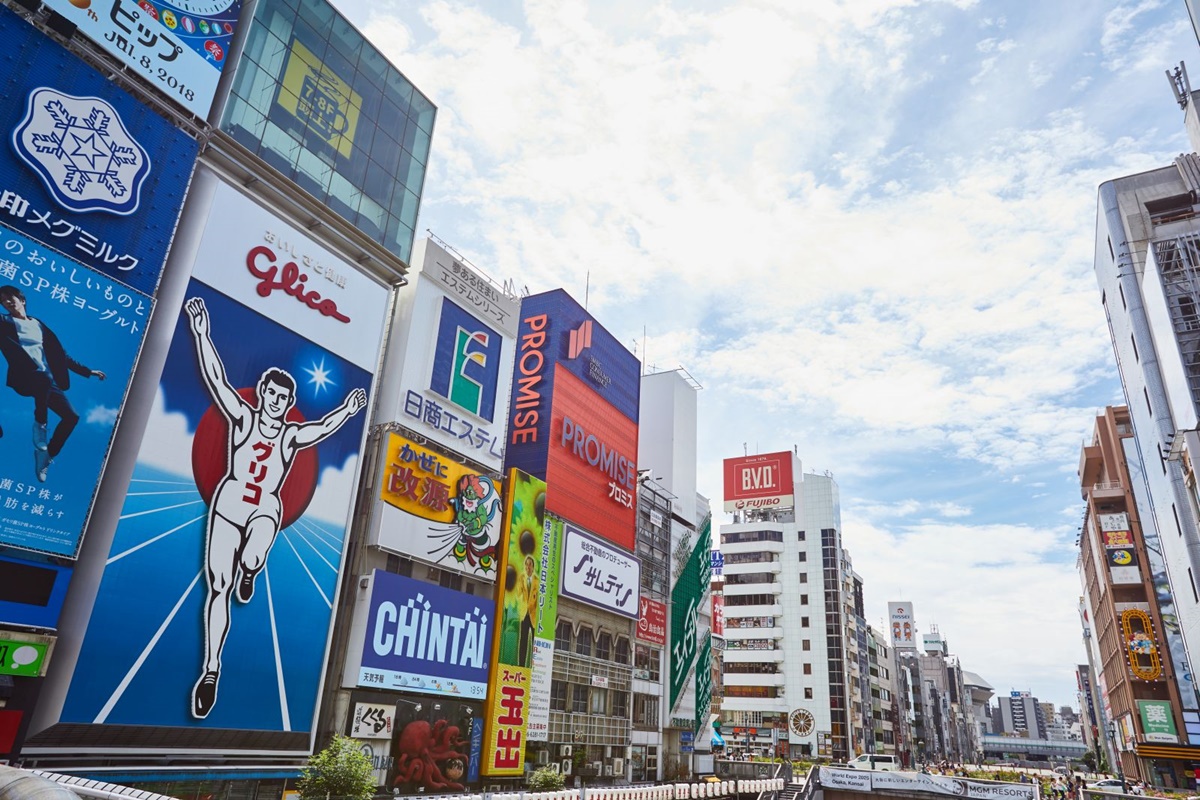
(517, 606)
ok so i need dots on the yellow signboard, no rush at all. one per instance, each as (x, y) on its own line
(462, 504)
(315, 95)
(507, 714)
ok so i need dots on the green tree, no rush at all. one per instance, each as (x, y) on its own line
(546, 779)
(341, 770)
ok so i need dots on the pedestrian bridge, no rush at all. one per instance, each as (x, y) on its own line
(1013, 747)
(830, 783)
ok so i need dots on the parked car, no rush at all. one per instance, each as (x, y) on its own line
(1110, 785)
(883, 763)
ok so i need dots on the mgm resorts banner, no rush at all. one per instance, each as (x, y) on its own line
(216, 600)
(857, 780)
(518, 598)
(91, 183)
(438, 509)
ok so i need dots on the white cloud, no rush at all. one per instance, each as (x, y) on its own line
(850, 246)
(167, 443)
(335, 492)
(101, 415)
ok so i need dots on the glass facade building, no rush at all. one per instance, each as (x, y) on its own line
(315, 100)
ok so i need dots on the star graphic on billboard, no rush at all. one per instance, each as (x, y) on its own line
(319, 376)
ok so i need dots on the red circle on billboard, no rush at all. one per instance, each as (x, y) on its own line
(210, 461)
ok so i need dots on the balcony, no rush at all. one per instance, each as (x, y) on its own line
(774, 567)
(733, 548)
(737, 589)
(733, 630)
(1105, 490)
(752, 679)
(773, 610)
(752, 656)
(1090, 463)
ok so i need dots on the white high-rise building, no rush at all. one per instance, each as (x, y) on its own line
(1147, 263)
(783, 558)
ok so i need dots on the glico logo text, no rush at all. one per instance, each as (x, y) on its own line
(596, 453)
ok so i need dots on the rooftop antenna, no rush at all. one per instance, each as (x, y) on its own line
(745, 450)
(587, 288)
(1180, 85)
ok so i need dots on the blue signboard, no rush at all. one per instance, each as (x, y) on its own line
(91, 184)
(85, 168)
(423, 638)
(556, 330)
(90, 329)
(718, 562)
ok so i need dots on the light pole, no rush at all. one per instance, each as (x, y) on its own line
(1112, 733)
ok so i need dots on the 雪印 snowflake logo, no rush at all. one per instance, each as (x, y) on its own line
(81, 150)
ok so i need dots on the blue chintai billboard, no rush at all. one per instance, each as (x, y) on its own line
(215, 604)
(423, 638)
(91, 184)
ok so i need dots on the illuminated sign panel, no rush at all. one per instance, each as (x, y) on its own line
(438, 509)
(591, 470)
(573, 415)
(517, 611)
(319, 98)
(763, 481)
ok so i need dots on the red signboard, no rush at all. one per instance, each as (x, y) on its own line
(759, 482)
(652, 621)
(591, 469)
(718, 615)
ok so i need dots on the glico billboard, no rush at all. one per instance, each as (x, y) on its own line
(216, 600)
(754, 482)
(573, 417)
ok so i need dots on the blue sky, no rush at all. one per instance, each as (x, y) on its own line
(865, 227)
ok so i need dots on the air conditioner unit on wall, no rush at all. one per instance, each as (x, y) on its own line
(597, 766)
(618, 766)
(555, 766)
(608, 770)
(565, 750)
(567, 766)
(543, 757)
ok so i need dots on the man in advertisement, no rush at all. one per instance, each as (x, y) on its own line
(245, 514)
(40, 368)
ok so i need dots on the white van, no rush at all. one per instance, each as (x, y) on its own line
(876, 761)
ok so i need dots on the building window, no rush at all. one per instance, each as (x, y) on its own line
(808, 694)
(562, 636)
(620, 704)
(604, 646)
(808, 669)
(646, 663)
(799, 536)
(804, 622)
(804, 556)
(622, 651)
(645, 711)
(806, 644)
(579, 699)
(583, 642)
(804, 577)
(558, 695)
(803, 599)
(599, 701)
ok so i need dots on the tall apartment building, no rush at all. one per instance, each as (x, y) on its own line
(786, 583)
(1019, 714)
(1119, 559)
(1147, 264)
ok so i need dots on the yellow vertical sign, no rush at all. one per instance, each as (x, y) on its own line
(517, 599)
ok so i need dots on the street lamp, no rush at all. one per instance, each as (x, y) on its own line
(1112, 733)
